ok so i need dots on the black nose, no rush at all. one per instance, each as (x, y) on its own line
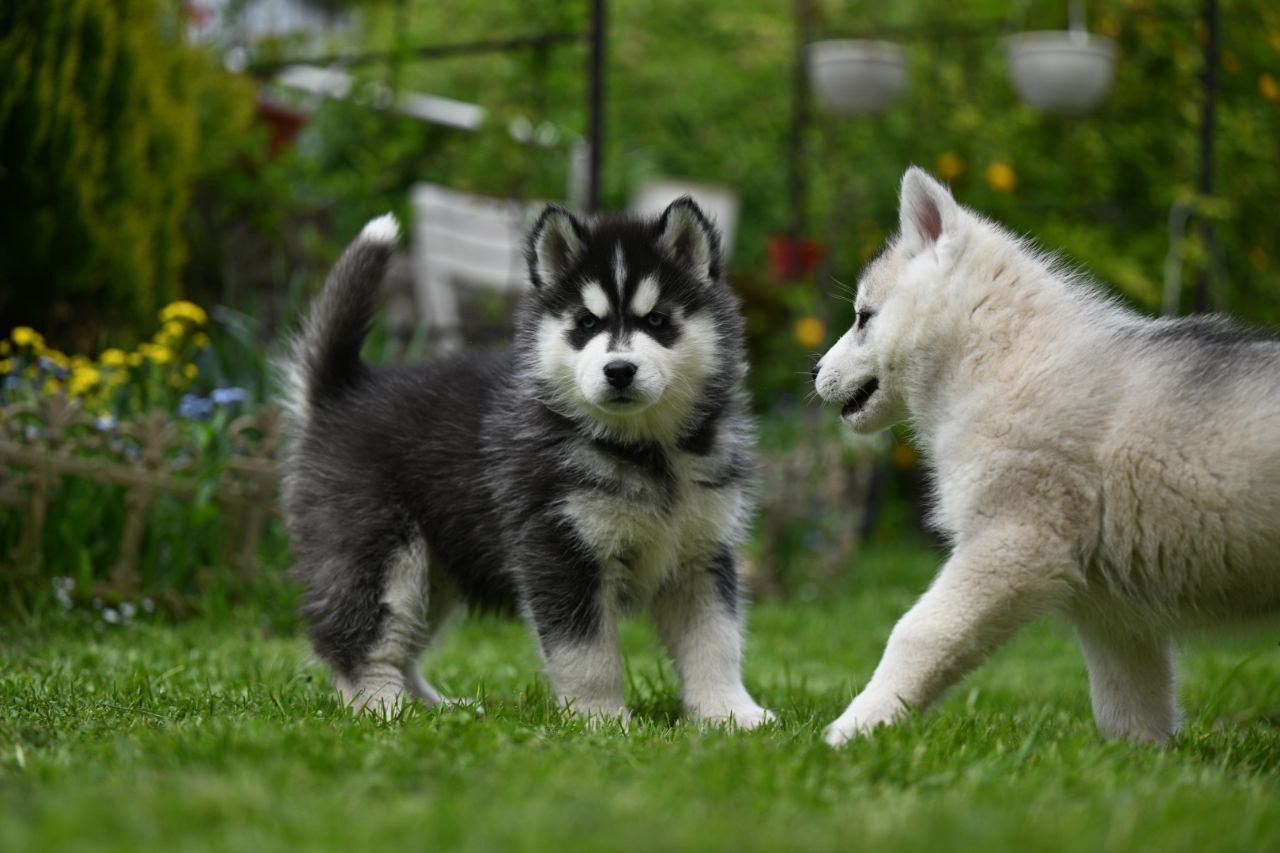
(814, 372)
(619, 373)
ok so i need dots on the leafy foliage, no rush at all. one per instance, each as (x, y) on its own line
(185, 542)
(106, 117)
(702, 91)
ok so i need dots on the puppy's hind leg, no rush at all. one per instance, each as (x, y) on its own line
(442, 603)
(1131, 681)
(381, 681)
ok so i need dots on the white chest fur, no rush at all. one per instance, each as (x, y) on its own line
(644, 533)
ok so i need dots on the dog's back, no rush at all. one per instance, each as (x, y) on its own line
(1189, 505)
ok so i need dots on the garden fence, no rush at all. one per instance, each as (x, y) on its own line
(44, 441)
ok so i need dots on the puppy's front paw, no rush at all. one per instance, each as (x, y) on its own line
(597, 715)
(864, 714)
(738, 712)
(743, 718)
(384, 701)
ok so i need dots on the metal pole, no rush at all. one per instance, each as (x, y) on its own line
(595, 104)
(1206, 145)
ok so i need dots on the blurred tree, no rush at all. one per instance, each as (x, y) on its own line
(106, 117)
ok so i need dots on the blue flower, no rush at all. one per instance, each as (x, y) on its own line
(225, 396)
(194, 408)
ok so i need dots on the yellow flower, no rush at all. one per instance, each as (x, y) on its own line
(949, 166)
(134, 359)
(810, 332)
(155, 352)
(51, 387)
(60, 359)
(6, 365)
(190, 371)
(1001, 177)
(172, 329)
(83, 381)
(5, 347)
(25, 336)
(183, 310)
(1268, 86)
(112, 357)
(201, 340)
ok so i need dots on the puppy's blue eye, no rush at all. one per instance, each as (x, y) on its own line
(656, 320)
(587, 321)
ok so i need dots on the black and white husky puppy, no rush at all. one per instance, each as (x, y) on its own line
(601, 466)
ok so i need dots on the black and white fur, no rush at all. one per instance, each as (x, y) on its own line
(600, 467)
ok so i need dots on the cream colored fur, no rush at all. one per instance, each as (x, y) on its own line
(1088, 461)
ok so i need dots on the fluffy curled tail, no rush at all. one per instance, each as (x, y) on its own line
(325, 355)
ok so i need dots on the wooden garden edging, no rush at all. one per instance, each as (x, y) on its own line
(45, 441)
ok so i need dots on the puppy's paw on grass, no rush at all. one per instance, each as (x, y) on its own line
(598, 717)
(864, 715)
(742, 716)
(385, 703)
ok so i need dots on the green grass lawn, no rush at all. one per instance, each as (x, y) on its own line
(216, 736)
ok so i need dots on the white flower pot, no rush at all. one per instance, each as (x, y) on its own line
(856, 75)
(1062, 71)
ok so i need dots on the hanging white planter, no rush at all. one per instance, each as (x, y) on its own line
(857, 75)
(1061, 71)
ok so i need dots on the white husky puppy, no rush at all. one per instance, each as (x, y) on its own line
(1120, 470)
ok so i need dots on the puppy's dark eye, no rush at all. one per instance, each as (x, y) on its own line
(653, 318)
(861, 318)
(587, 321)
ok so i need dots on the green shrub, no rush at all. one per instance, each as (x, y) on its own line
(106, 119)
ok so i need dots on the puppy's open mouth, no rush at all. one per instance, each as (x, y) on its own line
(860, 397)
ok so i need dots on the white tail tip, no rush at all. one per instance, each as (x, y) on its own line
(384, 229)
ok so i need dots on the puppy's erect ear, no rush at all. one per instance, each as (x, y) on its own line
(687, 237)
(926, 210)
(555, 244)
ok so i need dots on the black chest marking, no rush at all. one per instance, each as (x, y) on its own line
(649, 460)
